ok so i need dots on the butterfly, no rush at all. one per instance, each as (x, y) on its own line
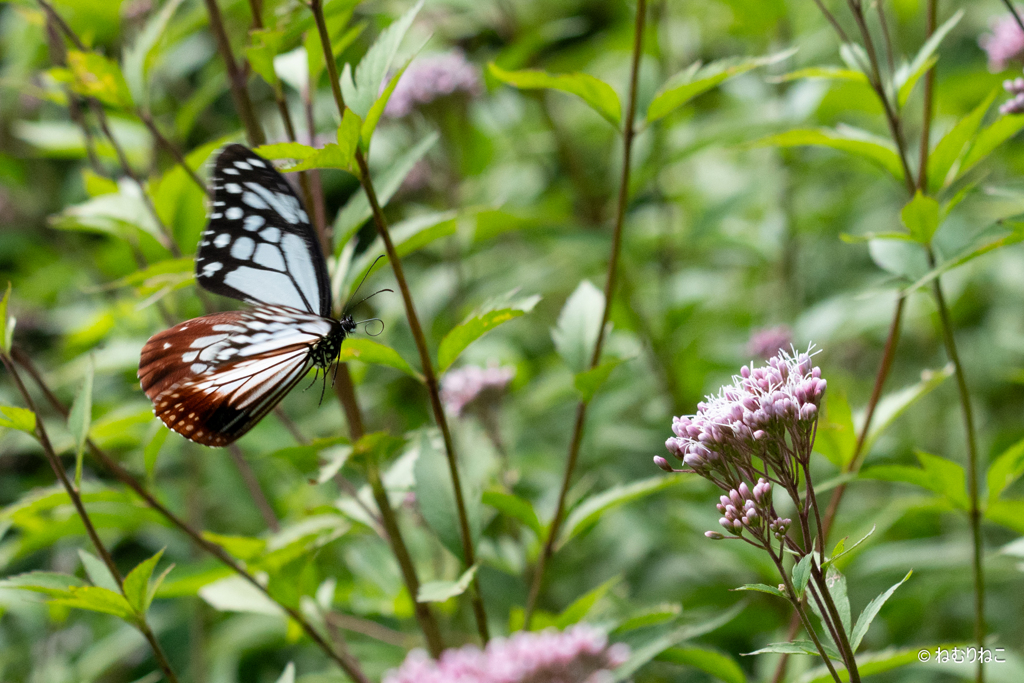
(211, 379)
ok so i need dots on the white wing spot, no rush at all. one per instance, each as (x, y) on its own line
(243, 166)
(202, 342)
(216, 215)
(211, 268)
(269, 257)
(167, 345)
(198, 368)
(233, 188)
(222, 240)
(242, 248)
(230, 171)
(254, 222)
(228, 328)
(189, 357)
(257, 162)
(284, 204)
(234, 213)
(271, 234)
(252, 200)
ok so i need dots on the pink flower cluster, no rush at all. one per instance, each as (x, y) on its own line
(1014, 105)
(768, 341)
(1004, 44)
(431, 77)
(463, 388)
(752, 417)
(580, 654)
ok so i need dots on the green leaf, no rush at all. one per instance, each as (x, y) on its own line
(1008, 513)
(6, 323)
(1004, 470)
(936, 474)
(644, 653)
(762, 588)
(578, 324)
(136, 583)
(598, 95)
(895, 404)
(718, 665)
(477, 325)
(870, 612)
(369, 351)
(801, 573)
(98, 572)
(691, 82)
(357, 210)
(93, 75)
(837, 437)
(266, 45)
(906, 77)
(138, 59)
(377, 110)
(515, 507)
(53, 584)
(244, 548)
(797, 647)
(650, 616)
(921, 216)
(286, 150)
(836, 583)
(439, 591)
(1015, 236)
(589, 382)
(1001, 130)
(80, 419)
(96, 599)
(590, 510)
(831, 73)
(361, 91)
(841, 548)
(152, 449)
(236, 594)
(18, 418)
(845, 139)
(948, 150)
(581, 606)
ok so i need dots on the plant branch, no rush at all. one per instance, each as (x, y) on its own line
(255, 491)
(236, 77)
(430, 378)
(609, 292)
(140, 621)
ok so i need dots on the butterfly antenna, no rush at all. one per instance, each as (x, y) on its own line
(372, 320)
(356, 290)
(367, 297)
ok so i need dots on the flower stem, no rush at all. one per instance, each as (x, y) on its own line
(609, 291)
(140, 621)
(430, 378)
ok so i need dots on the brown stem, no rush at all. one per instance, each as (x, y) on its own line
(76, 499)
(348, 664)
(609, 291)
(926, 117)
(253, 484)
(430, 378)
(236, 77)
(171, 148)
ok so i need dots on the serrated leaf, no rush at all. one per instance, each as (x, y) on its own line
(136, 583)
(1007, 468)
(801, 574)
(762, 588)
(361, 90)
(80, 419)
(870, 612)
(96, 599)
(921, 217)
(942, 159)
(514, 507)
(588, 512)
(598, 95)
(690, 83)
(439, 591)
(93, 75)
(847, 140)
(589, 382)
(369, 351)
(476, 326)
(18, 418)
(98, 572)
(925, 58)
(578, 325)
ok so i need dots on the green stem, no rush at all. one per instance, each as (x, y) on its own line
(609, 291)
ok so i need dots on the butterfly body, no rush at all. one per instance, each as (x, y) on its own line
(212, 378)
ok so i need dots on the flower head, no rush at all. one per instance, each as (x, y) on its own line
(468, 387)
(1014, 105)
(431, 77)
(768, 341)
(580, 654)
(1005, 43)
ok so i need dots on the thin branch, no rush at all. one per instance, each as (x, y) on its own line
(430, 378)
(255, 491)
(929, 97)
(348, 664)
(171, 148)
(236, 77)
(1016, 15)
(609, 292)
(76, 499)
(885, 35)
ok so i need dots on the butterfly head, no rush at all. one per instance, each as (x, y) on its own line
(326, 350)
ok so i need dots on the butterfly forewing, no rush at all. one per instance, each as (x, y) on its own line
(259, 245)
(212, 378)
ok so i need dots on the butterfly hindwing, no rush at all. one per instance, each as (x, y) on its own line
(259, 245)
(212, 378)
